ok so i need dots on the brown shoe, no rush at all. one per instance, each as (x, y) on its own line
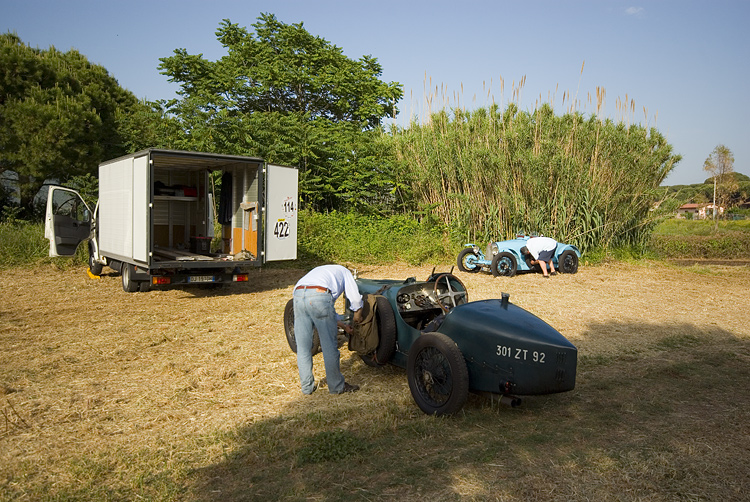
(350, 388)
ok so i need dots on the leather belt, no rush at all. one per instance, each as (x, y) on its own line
(320, 289)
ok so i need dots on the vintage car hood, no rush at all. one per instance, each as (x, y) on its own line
(488, 317)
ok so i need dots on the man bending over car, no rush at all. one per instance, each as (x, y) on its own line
(314, 298)
(542, 250)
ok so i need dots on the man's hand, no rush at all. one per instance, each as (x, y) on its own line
(358, 316)
(346, 327)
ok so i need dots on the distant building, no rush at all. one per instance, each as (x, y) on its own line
(698, 211)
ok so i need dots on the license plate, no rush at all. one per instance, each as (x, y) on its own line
(201, 278)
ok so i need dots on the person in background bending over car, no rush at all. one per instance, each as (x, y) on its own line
(314, 298)
(542, 250)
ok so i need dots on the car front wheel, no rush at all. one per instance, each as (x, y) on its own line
(437, 374)
(504, 264)
(386, 334)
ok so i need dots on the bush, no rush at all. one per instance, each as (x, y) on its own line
(334, 236)
(734, 245)
(23, 244)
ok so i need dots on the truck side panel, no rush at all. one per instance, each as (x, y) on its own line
(281, 213)
(141, 198)
(123, 209)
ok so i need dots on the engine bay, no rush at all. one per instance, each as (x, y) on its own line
(419, 304)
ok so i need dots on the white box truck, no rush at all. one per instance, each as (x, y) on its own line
(154, 220)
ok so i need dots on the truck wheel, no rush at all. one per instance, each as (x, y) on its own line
(289, 330)
(128, 284)
(467, 261)
(437, 374)
(504, 264)
(386, 334)
(94, 266)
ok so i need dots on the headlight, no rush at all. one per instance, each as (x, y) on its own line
(494, 249)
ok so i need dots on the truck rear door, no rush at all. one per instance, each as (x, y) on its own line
(281, 213)
(67, 222)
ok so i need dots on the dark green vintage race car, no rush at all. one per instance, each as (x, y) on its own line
(450, 346)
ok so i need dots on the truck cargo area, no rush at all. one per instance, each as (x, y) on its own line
(183, 231)
(155, 220)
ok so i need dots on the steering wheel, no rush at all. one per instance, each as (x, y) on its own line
(454, 296)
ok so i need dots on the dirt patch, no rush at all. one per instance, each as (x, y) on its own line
(89, 368)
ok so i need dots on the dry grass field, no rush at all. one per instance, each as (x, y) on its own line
(192, 394)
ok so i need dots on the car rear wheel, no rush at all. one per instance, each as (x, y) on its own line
(386, 334)
(437, 374)
(467, 261)
(568, 263)
(289, 330)
(504, 264)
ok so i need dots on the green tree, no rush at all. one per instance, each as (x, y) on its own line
(58, 115)
(293, 98)
(720, 164)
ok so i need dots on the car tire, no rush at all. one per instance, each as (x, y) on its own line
(386, 334)
(95, 267)
(463, 257)
(128, 284)
(437, 374)
(289, 330)
(504, 264)
(568, 262)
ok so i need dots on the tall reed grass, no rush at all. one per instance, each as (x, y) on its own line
(491, 173)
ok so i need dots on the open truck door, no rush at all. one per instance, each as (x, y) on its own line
(281, 213)
(67, 222)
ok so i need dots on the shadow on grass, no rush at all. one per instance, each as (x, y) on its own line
(663, 416)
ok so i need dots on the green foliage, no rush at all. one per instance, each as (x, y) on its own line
(342, 237)
(21, 244)
(332, 445)
(701, 239)
(24, 244)
(490, 174)
(291, 98)
(58, 115)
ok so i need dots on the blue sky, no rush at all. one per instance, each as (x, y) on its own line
(683, 63)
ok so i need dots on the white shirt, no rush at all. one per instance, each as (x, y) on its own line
(536, 245)
(336, 279)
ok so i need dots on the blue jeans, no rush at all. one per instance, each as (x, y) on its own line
(316, 309)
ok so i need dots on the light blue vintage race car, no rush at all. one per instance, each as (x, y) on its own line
(504, 258)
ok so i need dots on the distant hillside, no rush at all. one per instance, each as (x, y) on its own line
(703, 192)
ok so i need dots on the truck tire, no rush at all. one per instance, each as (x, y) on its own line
(128, 284)
(94, 266)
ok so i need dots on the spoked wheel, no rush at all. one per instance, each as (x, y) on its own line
(568, 263)
(386, 334)
(467, 261)
(437, 374)
(454, 296)
(504, 264)
(289, 330)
